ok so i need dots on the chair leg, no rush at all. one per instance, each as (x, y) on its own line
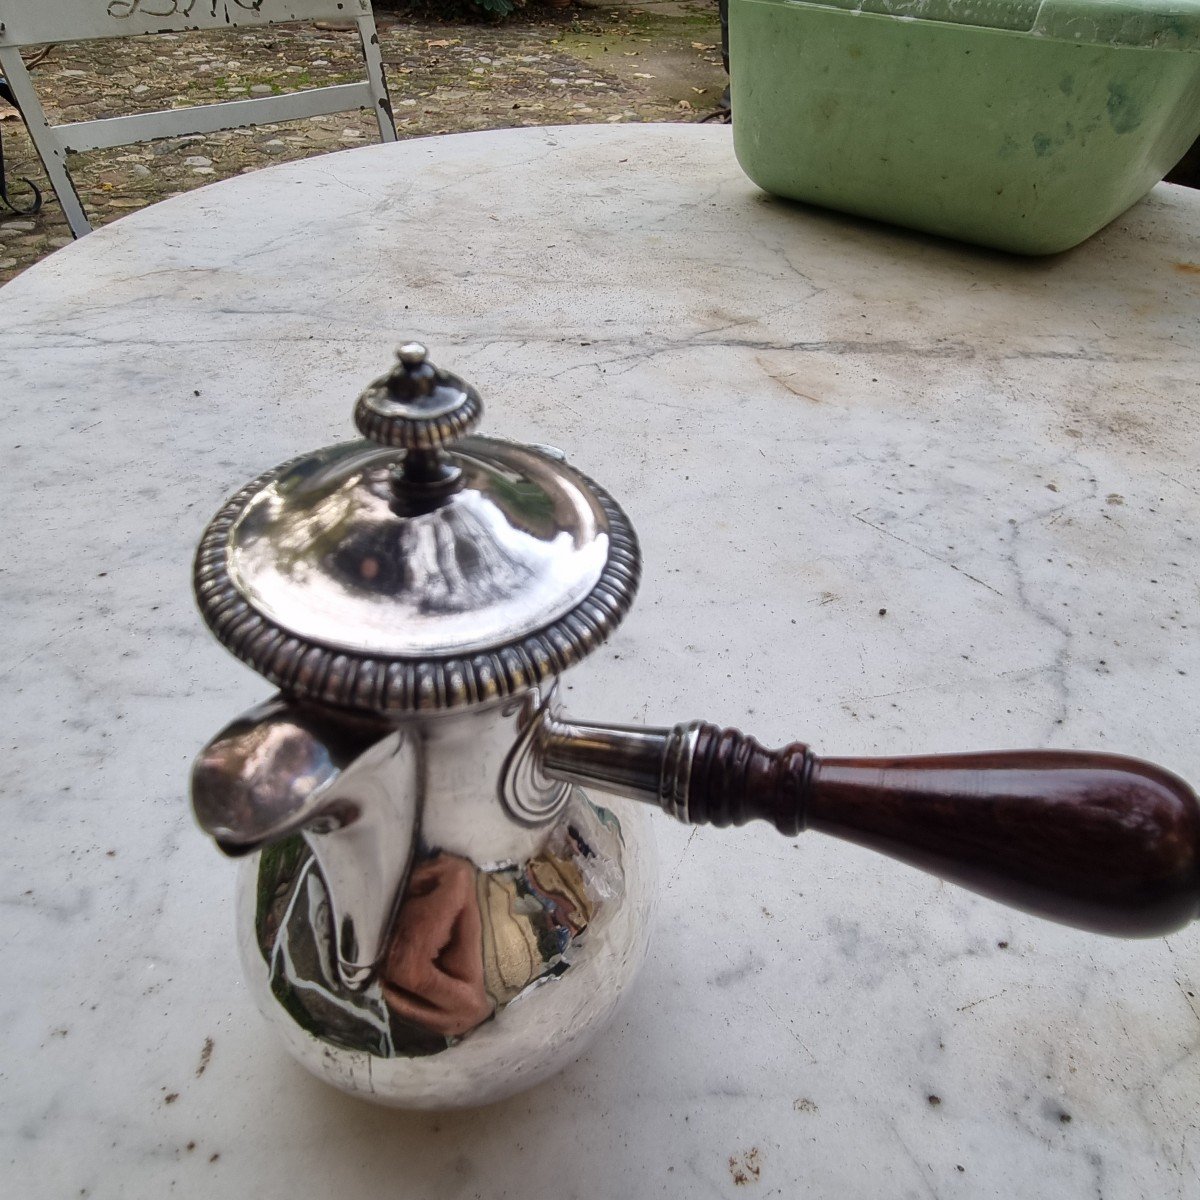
(53, 157)
(375, 78)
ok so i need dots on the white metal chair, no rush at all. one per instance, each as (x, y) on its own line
(31, 22)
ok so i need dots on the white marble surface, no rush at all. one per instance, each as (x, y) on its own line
(810, 419)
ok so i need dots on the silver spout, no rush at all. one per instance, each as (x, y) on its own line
(268, 774)
(651, 765)
(365, 861)
(348, 785)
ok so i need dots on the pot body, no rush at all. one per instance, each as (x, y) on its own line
(518, 926)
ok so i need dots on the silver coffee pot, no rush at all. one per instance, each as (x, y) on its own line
(440, 904)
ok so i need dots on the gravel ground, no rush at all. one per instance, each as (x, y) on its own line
(659, 61)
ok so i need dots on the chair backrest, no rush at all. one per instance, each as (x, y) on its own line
(36, 22)
(29, 22)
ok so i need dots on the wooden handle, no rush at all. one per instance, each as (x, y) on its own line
(1097, 841)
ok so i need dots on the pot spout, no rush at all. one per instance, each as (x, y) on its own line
(348, 786)
(270, 773)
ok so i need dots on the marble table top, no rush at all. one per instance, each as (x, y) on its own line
(895, 495)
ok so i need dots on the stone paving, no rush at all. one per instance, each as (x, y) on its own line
(659, 61)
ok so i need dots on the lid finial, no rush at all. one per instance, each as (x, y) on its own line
(422, 410)
(417, 406)
(411, 354)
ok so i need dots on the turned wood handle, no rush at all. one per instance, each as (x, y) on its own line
(1097, 841)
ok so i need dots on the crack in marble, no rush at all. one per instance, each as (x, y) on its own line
(928, 554)
(787, 1025)
(929, 1188)
(1178, 482)
(1058, 671)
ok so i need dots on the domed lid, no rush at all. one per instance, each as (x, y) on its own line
(420, 569)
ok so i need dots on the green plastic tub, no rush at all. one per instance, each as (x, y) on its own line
(1019, 125)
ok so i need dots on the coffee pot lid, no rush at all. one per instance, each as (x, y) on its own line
(422, 568)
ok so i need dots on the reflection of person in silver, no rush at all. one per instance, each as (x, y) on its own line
(433, 975)
(465, 941)
(463, 944)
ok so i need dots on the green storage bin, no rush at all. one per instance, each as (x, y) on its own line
(1012, 124)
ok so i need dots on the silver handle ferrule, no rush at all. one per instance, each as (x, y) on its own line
(651, 765)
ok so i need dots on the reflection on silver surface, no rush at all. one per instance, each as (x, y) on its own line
(465, 942)
(322, 552)
(408, 935)
(348, 785)
(651, 765)
(527, 795)
(495, 976)
(268, 773)
(365, 860)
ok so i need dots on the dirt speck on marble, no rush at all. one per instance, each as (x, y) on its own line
(745, 1167)
(205, 1056)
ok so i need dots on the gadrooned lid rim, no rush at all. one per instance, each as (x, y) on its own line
(372, 682)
